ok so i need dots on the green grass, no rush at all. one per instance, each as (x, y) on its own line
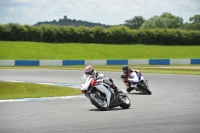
(60, 51)
(11, 90)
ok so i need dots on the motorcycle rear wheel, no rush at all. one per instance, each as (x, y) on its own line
(100, 104)
(143, 87)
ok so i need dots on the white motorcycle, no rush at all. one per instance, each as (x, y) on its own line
(141, 86)
(98, 98)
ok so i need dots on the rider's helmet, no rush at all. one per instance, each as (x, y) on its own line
(125, 69)
(89, 70)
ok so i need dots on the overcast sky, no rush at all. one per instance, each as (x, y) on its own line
(109, 12)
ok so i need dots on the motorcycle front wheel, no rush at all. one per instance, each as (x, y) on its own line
(101, 104)
(126, 103)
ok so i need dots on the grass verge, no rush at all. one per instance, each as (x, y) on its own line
(60, 51)
(13, 90)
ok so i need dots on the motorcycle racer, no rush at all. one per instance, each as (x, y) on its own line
(95, 74)
(130, 76)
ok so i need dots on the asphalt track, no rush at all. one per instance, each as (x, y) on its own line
(173, 107)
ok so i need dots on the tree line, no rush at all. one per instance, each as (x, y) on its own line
(70, 22)
(98, 34)
(164, 21)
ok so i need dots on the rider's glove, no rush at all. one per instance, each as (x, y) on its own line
(122, 76)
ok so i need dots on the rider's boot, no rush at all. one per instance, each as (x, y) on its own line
(115, 88)
(129, 89)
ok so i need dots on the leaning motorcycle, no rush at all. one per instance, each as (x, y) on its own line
(142, 85)
(98, 99)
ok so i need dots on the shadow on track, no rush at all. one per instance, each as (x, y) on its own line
(135, 93)
(113, 109)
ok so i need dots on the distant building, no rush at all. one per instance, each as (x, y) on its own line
(63, 20)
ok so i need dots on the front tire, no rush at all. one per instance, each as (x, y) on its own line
(99, 103)
(126, 103)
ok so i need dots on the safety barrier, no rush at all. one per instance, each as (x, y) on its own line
(99, 62)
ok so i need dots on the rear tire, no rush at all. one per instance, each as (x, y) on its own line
(144, 88)
(101, 105)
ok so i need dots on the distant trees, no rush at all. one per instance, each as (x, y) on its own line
(70, 22)
(135, 22)
(195, 19)
(194, 23)
(165, 21)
